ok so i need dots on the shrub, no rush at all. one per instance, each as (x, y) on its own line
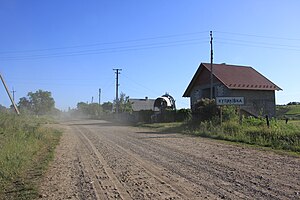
(252, 121)
(231, 127)
(183, 115)
(205, 109)
(229, 113)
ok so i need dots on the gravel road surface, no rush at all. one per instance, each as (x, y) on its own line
(100, 160)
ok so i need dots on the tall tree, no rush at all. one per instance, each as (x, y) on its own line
(24, 105)
(82, 107)
(124, 103)
(91, 110)
(107, 106)
(39, 102)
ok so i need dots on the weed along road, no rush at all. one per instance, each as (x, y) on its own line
(100, 160)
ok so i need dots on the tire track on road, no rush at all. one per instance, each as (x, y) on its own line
(231, 182)
(204, 186)
(153, 170)
(149, 165)
(108, 171)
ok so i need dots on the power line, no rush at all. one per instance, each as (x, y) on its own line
(260, 46)
(251, 40)
(104, 50)
(76, 51)
(141, 85)
(258, 36)
(104, 43)
(258, 43)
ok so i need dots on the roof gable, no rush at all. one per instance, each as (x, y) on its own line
(234, 77)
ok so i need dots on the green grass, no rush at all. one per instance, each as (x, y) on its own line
(252, 131)
(289, 111)
(169, 127)
(26, 147)
(293, 110)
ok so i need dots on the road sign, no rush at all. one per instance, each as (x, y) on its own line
(230, 101)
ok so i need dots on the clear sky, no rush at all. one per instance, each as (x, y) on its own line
(70, 47)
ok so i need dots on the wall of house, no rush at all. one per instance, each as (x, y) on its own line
(257, 102)
(203, 91)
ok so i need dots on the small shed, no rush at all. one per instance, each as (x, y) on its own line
(234, 81)
(142, 104)
(142, 109)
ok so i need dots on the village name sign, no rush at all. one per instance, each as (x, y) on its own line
(229, 101)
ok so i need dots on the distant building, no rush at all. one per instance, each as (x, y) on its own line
(151, 110)
(142, 109)
(164, 102)
(142, 104)
(234, 81)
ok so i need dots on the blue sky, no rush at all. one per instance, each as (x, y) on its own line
(70, 47)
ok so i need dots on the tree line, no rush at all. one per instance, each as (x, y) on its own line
(42, 103)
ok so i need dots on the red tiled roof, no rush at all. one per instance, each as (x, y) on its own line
(236, 77)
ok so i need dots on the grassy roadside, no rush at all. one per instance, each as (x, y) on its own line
(288, 111)
(26, 147)
(279, 136)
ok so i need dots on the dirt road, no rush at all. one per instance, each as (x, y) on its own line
(99, 160)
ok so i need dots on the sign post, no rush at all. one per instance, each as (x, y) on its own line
(221, 117)
(229, 101)
(221, 101)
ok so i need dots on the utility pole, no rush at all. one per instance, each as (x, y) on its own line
(11, 99)
(13, 93)
(117, 71)
(99, 96)
(99, 105)
(211, 65)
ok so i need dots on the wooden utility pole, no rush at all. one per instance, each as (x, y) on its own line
(9, 95)
(99, 105)
(117, 71)
(99, 96)
(211, 66)
(13, 93)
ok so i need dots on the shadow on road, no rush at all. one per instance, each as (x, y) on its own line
(84, 122)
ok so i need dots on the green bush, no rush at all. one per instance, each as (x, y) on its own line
(205, 109)
(229, 113)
